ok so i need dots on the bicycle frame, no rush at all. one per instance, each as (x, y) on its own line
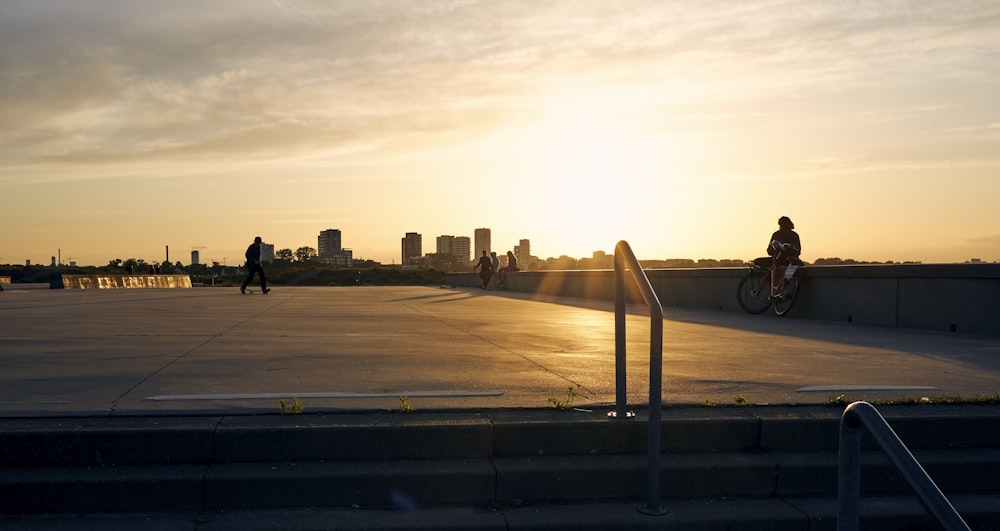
(778, 278)
(774, 272)
(771, 285)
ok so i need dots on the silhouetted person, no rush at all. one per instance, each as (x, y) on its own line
(784, 247)
(485, 266)
(254, 267)
(511, 266)
(494, 265)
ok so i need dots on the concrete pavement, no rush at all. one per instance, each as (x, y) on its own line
(213, 350)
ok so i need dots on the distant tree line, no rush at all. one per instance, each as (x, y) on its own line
(300, 267)
(851, 261)
(602, 260)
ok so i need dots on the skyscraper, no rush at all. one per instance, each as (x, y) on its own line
(267, 252)
(328, 244)
(461, 248)
(523, 254)
(330, 251)
(482, 242)
(452, 253)
(444, 244)
(412, 249)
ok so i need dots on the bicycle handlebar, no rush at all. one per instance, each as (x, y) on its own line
(783, 246)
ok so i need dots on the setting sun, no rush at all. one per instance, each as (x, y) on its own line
(591, 166)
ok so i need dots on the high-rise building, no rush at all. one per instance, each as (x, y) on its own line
(329, 249)
(412, 249)
(461, 248)
(444, 244)
(482, 242)
(523, 254)
(266, 252)
(328, 244)
(452, 253)
(195, 257)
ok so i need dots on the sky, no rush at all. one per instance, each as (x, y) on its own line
(684, 128)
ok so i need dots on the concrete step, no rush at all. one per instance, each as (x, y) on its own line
(196, 439)
(806, 514)
(472, 482)
(468, 462)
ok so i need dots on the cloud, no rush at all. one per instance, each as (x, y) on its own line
(988, 239)
(129, 82)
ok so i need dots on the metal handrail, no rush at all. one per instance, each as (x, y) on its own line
(849, 469)
(624, 257)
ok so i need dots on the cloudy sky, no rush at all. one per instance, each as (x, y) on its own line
(685, 128)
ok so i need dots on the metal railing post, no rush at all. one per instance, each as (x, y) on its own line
(625, 258)
(621, 396)
(849, 472)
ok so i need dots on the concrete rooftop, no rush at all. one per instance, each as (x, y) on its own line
(213, 350)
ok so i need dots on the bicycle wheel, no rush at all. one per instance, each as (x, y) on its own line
(787, 299)
(753, 291)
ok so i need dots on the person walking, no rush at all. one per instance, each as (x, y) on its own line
(485, 266)
(495, 265)
(254, 267)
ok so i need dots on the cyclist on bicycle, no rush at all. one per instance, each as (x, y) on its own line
(784, 248)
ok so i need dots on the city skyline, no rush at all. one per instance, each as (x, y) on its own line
(686, 129)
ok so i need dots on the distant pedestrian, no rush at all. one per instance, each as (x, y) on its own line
(254, 267)
(495, 266)
(511, 266)
(485, 266)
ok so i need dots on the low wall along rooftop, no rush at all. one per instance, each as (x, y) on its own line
(946, 297)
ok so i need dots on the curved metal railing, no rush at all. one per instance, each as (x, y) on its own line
(625, 258)
(860, 414)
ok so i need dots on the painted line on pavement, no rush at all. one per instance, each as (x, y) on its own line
(831, 388)
(272, 396)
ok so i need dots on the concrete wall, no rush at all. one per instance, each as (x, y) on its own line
(954, 297)
(122, 281)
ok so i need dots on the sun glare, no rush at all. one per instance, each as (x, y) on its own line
(586, 137)
(592, 160)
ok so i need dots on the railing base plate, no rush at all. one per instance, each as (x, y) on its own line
(659, 511)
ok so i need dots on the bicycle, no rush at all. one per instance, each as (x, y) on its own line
(755, 293)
